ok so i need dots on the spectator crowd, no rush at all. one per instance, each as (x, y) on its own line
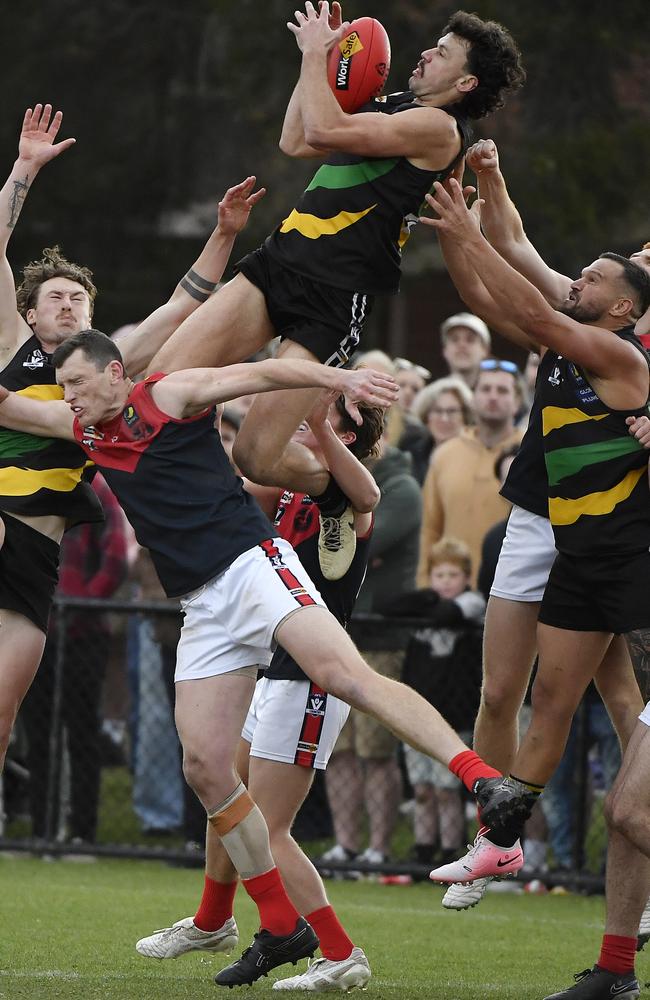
(445, 452)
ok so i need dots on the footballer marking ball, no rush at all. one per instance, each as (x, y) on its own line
(358, 65)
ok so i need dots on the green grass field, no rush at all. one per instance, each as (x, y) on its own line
(68, 930)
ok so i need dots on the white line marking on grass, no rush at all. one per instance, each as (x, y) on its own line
(39, 974)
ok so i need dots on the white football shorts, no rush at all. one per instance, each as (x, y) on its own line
(526, 557)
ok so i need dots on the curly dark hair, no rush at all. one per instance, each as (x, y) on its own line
(366, 443)
(493, 57)
(51, 265)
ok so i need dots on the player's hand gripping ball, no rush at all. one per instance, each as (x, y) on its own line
(358, 65)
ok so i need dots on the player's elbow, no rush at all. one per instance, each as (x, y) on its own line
(317, 137)
(297, 149)
(366, 502)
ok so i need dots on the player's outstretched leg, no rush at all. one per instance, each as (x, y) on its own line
(185, 936)
(598, 984)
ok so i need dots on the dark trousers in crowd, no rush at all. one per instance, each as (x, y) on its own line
(85, 659)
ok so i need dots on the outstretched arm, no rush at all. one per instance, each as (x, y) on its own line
(600, 353)
(187, 392)
(504, 229)
(47, 418)
(292, 139)
(140, 345)
(471, 288)
(36, 147)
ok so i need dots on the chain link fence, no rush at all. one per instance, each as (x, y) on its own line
(94, 766)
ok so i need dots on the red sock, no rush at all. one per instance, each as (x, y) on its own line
(277, 913)
(216, 904)
(468, 766)
(334, 942)
(617, 953)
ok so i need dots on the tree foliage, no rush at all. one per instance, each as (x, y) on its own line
(171, 103)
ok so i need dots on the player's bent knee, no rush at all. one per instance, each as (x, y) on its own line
(253, 461)
(500, 701)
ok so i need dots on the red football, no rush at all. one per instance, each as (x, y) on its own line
(358, 66)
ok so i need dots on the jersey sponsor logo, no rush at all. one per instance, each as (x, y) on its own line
(35, 360)
(130, 415)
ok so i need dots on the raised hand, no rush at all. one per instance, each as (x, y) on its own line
(321, 408)
(40, 128)
(455, 219)
(235, 206)
(364, 385)
(318, 32)
(482, 156)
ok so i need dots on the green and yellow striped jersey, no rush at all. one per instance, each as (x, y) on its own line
(41, 475)
(599, 499)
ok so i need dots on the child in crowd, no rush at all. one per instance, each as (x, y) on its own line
(443, 664)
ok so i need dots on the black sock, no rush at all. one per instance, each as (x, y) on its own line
(332, 501)
(507, 833)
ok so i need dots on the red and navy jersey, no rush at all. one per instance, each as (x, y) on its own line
(177, 488)
(297, 521)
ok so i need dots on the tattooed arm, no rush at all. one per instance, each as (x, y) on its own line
(36, 147)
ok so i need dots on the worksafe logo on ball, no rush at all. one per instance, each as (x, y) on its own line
(349, 47)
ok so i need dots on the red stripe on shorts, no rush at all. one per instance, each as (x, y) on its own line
(291, 582)
(312, 726)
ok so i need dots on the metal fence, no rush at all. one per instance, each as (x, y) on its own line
(94, 766)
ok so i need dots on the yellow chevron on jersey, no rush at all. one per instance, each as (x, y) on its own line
(17, 482)
(563, 511)
(313, 228)
(554, 417)
(42, 392)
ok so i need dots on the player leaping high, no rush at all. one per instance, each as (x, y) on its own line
(314, 279)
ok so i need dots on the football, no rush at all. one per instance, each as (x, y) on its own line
(358, 66)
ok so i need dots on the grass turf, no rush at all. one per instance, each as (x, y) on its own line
(68, 931)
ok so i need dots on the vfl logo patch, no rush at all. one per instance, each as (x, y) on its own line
(554, 377)
(35, 360)
(316, 704)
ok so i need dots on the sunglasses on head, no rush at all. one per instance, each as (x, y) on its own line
(495, 364)
(404, 365)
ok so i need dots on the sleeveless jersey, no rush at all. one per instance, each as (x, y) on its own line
(297, 521)
(526, 484)
(599, 501)
(39, 475)
(350, 224)
(177, 488)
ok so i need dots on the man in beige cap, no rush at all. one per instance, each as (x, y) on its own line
(465, 343)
